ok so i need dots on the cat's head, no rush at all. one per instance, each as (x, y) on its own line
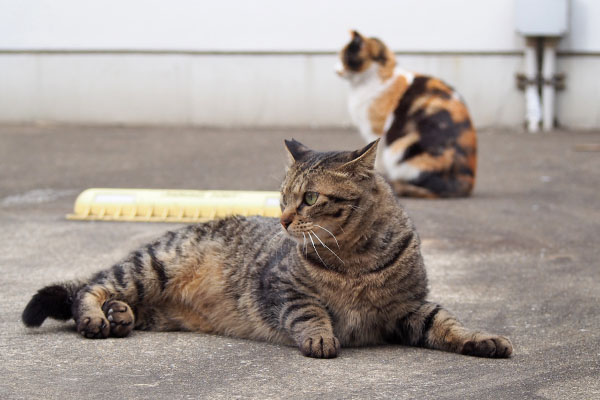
(362, 55)
(325, 195)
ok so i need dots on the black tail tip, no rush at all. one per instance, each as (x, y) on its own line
(52, 301)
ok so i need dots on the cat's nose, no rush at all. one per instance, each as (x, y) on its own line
(286, 220)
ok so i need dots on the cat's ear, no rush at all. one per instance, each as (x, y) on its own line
(355, 35)
(296, 151)
(357, 41)
(363, 160)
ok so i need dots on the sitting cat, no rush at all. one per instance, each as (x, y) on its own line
(345, 270)
(429, 145)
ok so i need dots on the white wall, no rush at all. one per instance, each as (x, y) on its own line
(218, 90)
(272, 25)
(265, 62)
(584, 29)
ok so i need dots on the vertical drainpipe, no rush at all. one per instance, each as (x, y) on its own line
(548, 90)
(532, 98)
(541, 21)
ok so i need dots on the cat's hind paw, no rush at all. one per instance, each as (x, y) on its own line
(120, 317)
(320, 346)
(93, 327)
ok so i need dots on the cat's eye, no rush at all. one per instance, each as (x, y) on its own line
(310, 198)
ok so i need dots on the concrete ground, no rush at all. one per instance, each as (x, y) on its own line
(520, 258)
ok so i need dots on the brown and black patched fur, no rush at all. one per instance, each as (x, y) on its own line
(341, 267)
(429, 145)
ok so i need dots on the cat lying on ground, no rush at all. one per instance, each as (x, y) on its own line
(341, 267)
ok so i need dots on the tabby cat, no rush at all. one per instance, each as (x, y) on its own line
(345, 270)
(428, 144)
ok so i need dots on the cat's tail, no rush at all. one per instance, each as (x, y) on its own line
(52, 301)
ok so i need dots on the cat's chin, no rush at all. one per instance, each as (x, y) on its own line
(297, 237)
(294, 237)
(340, 70)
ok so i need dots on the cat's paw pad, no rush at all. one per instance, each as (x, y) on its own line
(93, 327)
(488, 346)
(120, 317)
(320, 346)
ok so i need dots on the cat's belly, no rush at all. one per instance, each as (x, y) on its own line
(204, 297)
(222, 319)
(359, 327)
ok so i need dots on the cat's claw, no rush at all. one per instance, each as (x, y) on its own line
(320, 346)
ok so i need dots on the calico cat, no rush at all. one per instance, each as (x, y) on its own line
(341, 267)
(428, 144)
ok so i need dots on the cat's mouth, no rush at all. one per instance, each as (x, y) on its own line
(317, 239)
(301, 232)
(297, 234)
(315, 236)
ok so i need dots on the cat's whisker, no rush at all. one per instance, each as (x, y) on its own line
(341, 229)
(332, 235)
(356, 207)
(275, 236)
(304, 245)
(324, 245)
(315, 247)
(279, 235)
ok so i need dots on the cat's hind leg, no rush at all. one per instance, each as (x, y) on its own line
(430, 325)
(404, 189)
(98, 316)
(89, 317)
(445, 184)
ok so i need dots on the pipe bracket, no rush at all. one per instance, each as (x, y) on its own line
(558, 81)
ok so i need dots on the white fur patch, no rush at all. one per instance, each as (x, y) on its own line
(339, 69)
(389, 159)
(403, 171)
(394, 169)
(388, 122)
(380, 165)
(364, 89)
(409, 76)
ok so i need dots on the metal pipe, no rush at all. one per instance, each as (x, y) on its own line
(532, 98)
(548, 90)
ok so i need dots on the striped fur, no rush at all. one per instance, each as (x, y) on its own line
(345, 270)
(429, 146)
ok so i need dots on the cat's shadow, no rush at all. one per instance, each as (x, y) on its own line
(346, 352)
(62, 328)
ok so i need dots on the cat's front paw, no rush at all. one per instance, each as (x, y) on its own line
(120, 316)
(93, 327)
(484, 345)
(320, 346)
